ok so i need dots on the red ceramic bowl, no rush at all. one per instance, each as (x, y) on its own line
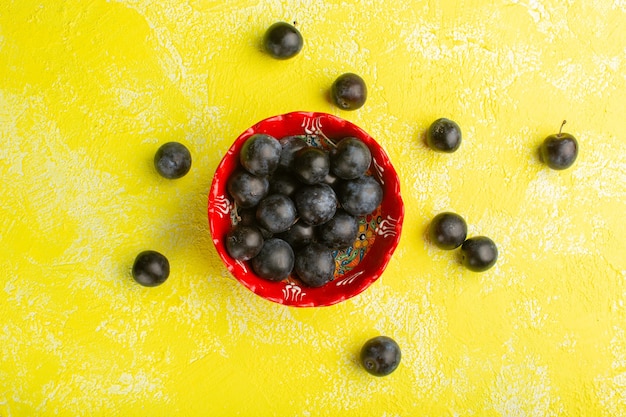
(357, 267)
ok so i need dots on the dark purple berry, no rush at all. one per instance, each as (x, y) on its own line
(331, 179)
(290, 145)
(340, 232)
(282, 40)
(172, 160)
(246, 216)
(349, 91)
(284, 182)
(479, 253)
(311, 165)
(380, 356)
(247, 189)
(315, 265)
(447, 230)
(316, 204)
(275, 261)
(276, 213)
(350, 159)
(150, 268)
(298, 235)
(444, 135)
(260, 154)
(244, 242)
(559, 151)
(360, 196)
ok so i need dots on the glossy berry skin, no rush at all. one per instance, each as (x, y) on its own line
(444, 135)
(315, 265)
(284, 182)
(151, 268)
(247, 189)
(260, 154)
(282, 40)
(360, 196)
(479, 253)
(276, 213)
(275, 260)
(350, 159)
(244, 242)
(380, 356)
(316, 204)
(290, 145)
(298, 235)
(447, 230)
(340, 232)
(311, 165)
(172, 160)
(559, 151)
(349, 91)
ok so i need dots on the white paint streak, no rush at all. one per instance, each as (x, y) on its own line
(611, 386)
(138, 383)
(619, 4)
(524, 390)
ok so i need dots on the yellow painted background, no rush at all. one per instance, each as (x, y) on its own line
(90, 89)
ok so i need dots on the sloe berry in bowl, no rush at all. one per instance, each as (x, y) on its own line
(348, 217)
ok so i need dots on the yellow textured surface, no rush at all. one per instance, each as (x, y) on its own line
(89, 90)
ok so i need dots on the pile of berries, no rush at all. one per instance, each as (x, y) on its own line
(298, 204)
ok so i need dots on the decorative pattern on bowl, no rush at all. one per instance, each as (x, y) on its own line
(356, 267)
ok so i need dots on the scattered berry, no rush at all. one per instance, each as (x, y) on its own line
(349, 91)
(444, 135)
(479, 253)
(448, 230)
(380, 356)
(150, 268)
(172, 160)
(282, 40)
(559, 151)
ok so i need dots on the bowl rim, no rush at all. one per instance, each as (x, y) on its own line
(293, 294)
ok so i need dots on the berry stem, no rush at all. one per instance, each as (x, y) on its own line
(236, 211)
(561, 129)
